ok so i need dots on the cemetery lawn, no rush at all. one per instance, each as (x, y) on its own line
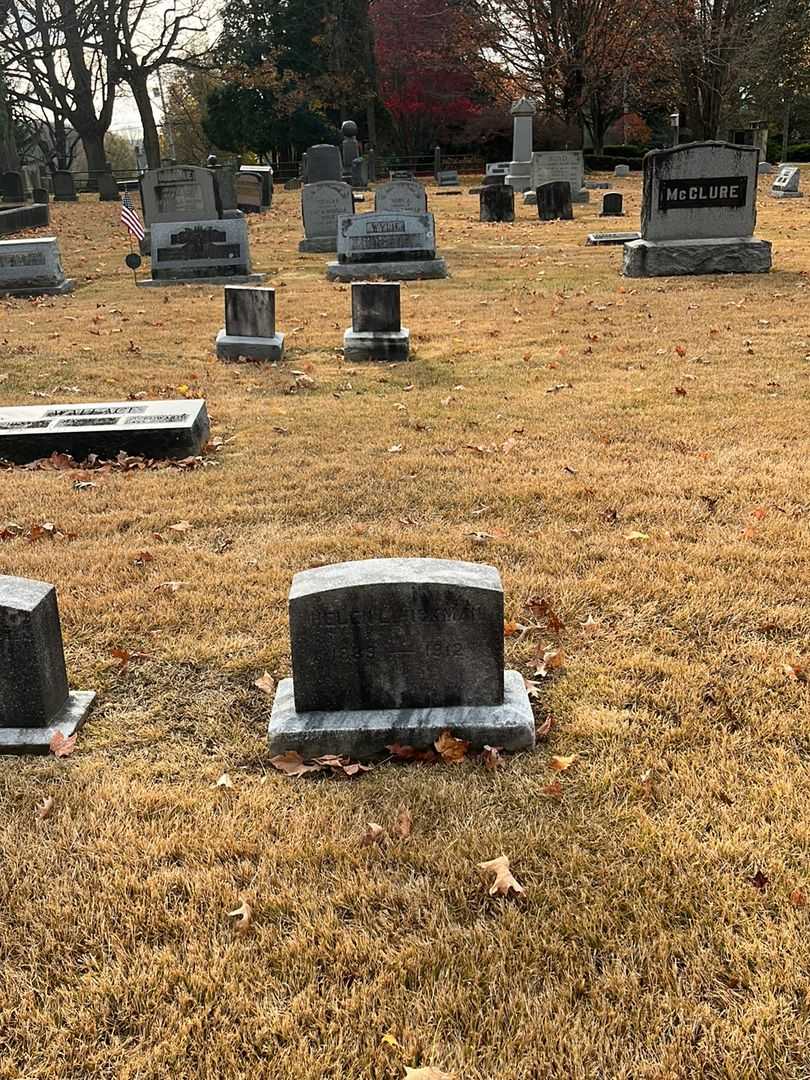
(634, 452)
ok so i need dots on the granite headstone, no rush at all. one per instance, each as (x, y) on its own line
(497, 203)
(250, 325)
(322, 204)
(392, 246)
(32, 268)
(401, 196)
(376, 332)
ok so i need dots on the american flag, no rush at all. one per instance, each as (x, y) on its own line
(130, 219)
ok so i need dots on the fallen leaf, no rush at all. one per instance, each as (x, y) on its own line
(292, 764)
(798, 898)
(542, 610)
(681, 391)
(797, 671)
(591, 625)
(504, 882)
(266, 683)
(61, 747)
(450, 749)
(403, 826)
(45, 809)
(636, 536)
(389, 1040)
(680, 350)
(224, 781)
(428, 1072)
(542, 731)
(559, 762)
(510, 628)
(491, 757)
(181, 526)
(760, 880)
(244, 916)
(532, 688)
(171, 586)
(374, 834)
(552, 660)
(554, 790)
(410, 753)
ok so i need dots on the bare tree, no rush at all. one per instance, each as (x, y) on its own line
(58, 60)
(147, 35)
(9, 159)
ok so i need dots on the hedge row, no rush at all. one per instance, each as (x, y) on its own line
(607, 163)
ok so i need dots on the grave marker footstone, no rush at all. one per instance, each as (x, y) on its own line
(554, 201)
(154, 429)
(447, 178)
(36, 702)
(398, 650)
(497, 203)
(612, 205)
(376, 332)
(392, 246)
(698, 213)
(322, 204)
(192, 252)
(32, 268)
(401, 196)
(621, 171)
(250, 325)
(64, 187)
(608, 238)
(786, 184)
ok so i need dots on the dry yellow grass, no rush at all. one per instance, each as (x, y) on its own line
(641, 949)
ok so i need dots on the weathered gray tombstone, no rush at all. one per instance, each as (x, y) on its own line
(392, 246)
(265, 174)
(323, 163)
(32, 178)
(154, 429)
(359, 174)
(36, 702)
(41, 196)
(248, 193)
(32, 268)
(447, 178)
(322, 204)
(611, 238)
(554, 201)
(250, 325)
(108, 188)
(376, 332)
(293, 185)
(519, 176)
(401, 174)
(401, 196)
(225, 189)
(397, 651)
(698, 213)
(497, 203)
(176, 193)
(612, 205)
(621, 171)
(190, 252)
(549, 165)
(786, 184)
(765, 168)
(12, 187)
(349, 148)
(64, 187)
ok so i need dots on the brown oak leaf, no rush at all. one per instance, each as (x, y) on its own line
(62, 747)
(504, 881)
(450, 749)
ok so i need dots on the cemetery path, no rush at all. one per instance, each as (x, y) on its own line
(634, 452)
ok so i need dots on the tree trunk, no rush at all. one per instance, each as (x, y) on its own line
(786, 131)
(9, 158)
(151, 138)
(93, 143)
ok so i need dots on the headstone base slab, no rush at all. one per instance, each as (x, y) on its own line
(233, 279)
(231, 347)
(66, 286)
(603, 239)
(674, 258)
(365, 734)
(318, 245)
(391, 345)
(38, 740)
(402, 270)
(786, 194)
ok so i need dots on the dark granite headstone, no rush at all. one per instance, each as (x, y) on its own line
(108, 188)
(265, 174)
(250, 325)
(13, 187)
(41, 196)
(376, 332)
(64, 187)
(398, 650)
(323, 162)
(497, 203)
(225, 187)
(155, 429)
(17, 218)
(35, 700)
(612, 204)
(554, 201)
(396, 634)
(248, 193)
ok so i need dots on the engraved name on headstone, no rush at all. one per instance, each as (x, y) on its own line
(401, 196)
(322, 204)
